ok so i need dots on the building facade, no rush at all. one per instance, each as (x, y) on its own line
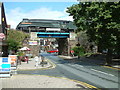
(3, 32)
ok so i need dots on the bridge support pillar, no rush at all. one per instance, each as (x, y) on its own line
(63, 46)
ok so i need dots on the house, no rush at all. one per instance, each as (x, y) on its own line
(3, 32)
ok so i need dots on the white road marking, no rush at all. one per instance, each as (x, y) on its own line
(76, 65)
(80, 65)
(111, 75)
(102, 72)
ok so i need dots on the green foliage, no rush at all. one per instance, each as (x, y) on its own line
(20, 53)
(15, 39)
(79, 51)
(101, 21)
(12, 44)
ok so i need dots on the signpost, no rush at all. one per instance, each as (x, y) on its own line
(5, 66)
(13, 61)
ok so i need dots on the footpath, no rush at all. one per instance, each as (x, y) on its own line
(98, 60)
(38, 81)
(31, 65)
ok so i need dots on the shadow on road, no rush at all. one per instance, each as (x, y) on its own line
(93, 60)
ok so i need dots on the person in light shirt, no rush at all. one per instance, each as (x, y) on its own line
(37, 61)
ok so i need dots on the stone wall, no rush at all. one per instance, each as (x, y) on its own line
(63, 46)
(34, 49)
(72, 43)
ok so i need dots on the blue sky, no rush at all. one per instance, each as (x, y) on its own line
(16, 11)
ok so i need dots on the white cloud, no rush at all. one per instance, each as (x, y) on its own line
(39, 0)
(16, 15)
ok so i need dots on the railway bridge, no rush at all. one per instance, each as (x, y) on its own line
(61, 30)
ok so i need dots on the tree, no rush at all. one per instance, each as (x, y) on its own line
(15, 39)
(101, 21)
(83, 39)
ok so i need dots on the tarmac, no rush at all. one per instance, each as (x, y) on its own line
(39, 81)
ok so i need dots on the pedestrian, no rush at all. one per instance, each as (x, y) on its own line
(36, 61)
(26, 58)
(40, 59)
(72, 53)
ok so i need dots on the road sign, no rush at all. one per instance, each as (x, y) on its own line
(5, 64)
(2, 35)
(72, 36)
(33, 43)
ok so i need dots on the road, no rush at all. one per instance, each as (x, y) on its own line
(84, 71)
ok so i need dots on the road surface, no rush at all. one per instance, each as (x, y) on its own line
(84, 71)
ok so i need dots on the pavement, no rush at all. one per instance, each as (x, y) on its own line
(38, 81)
(98, 60)
(31, 65)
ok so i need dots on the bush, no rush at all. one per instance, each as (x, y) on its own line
(79, 51)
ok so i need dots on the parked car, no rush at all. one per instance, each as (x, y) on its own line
(53, 51)
(24, 59)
